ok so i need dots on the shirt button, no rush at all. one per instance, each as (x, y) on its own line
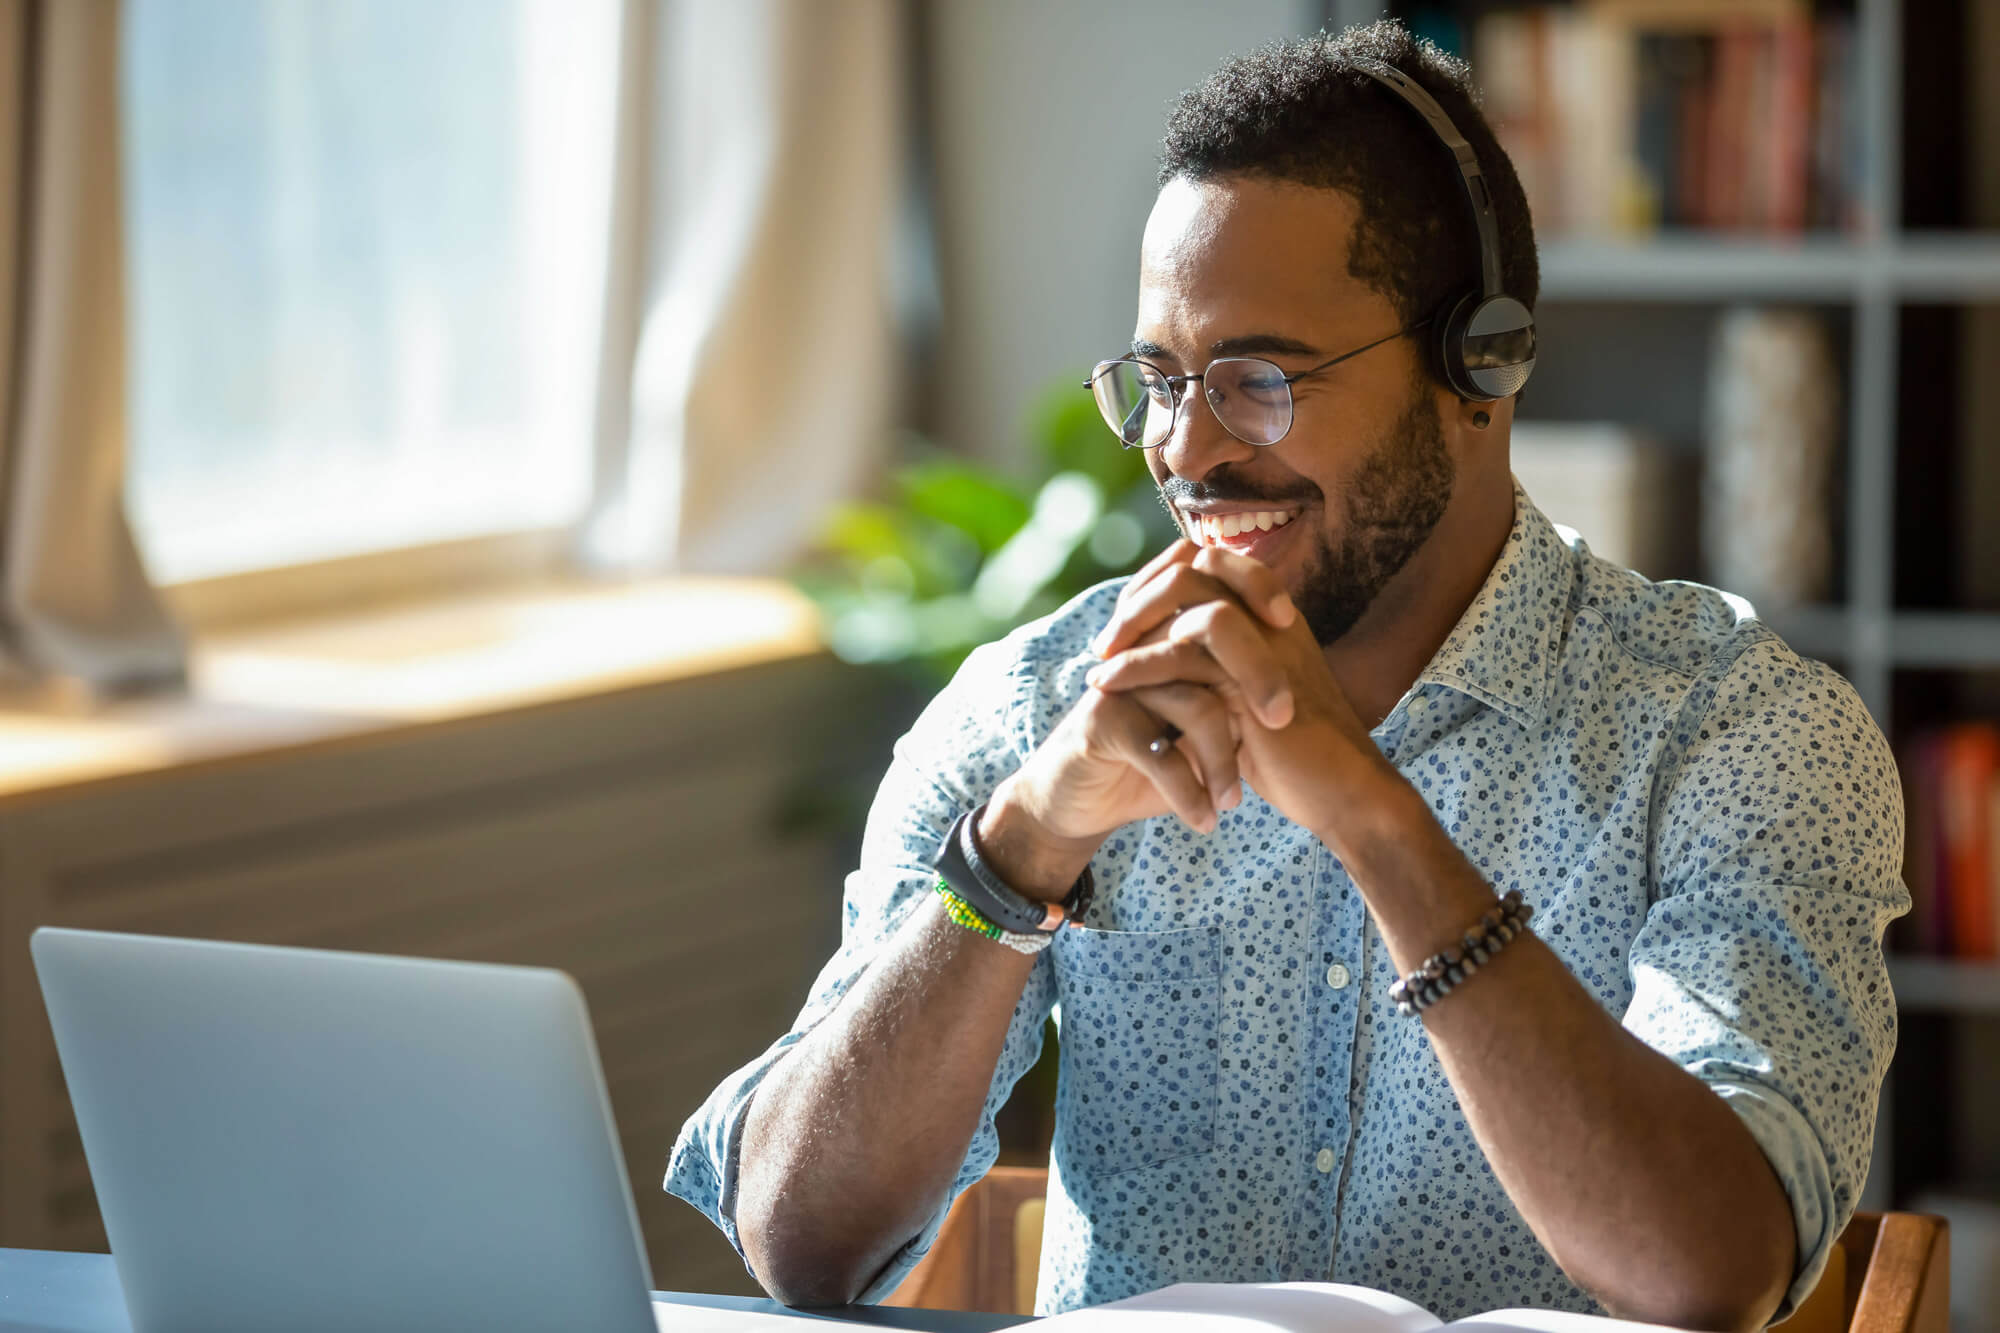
(1324, 1161)
(1338, 977)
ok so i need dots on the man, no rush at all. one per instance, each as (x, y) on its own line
(1301, 753)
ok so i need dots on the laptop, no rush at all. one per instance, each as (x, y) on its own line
(302, 1139)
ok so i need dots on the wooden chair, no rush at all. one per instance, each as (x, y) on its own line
(989, 1251)
(1890, 1273)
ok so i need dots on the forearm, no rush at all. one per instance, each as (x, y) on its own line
(1633, 1174)
(853, 1139)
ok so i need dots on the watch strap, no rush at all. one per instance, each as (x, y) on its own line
(972, 877)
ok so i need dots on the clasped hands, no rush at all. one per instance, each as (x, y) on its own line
(1208, 642)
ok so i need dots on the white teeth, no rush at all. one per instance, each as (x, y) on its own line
(1211, 529)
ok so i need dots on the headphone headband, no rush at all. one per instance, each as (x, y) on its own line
(1485, 343)
(1469, 172)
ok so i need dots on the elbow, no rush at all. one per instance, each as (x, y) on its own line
(806, 1285)
(1757, 1301)
(1724, 1315)
(1714, 1312)
(1739, 1295)
(800, 1265)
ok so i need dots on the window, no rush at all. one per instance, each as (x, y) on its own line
(366, 250)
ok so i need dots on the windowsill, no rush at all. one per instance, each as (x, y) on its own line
(276, 687)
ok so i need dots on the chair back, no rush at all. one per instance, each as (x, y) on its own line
(988, 1254)
(1890, 1273)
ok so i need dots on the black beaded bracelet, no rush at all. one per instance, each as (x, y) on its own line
(1443, 972)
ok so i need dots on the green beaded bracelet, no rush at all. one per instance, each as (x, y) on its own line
(970, 917)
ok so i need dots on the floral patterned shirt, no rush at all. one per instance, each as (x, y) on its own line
(1709, 828)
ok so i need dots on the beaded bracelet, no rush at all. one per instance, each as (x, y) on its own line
(1441, 973)
(960, 864)
(965, 914)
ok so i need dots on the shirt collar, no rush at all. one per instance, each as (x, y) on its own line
(1503, 649)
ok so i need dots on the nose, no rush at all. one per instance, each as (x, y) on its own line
(1198, 442)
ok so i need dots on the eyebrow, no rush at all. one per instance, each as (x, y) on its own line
(1251, 344)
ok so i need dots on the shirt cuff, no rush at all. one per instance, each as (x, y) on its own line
(1794, 1152)
(703, 1167)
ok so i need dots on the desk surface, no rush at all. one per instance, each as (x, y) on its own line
(51, 1291)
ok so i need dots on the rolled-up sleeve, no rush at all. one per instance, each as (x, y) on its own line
(1759, 968)
(969, 738)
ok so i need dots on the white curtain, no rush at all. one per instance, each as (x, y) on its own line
(750, 348)
(74, 598)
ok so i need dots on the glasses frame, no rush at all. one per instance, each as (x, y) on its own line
(1177, 387)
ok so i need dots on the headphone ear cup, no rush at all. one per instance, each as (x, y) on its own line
(1487, 347)
(1447, 345)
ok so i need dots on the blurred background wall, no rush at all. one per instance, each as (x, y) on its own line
(1045, 123)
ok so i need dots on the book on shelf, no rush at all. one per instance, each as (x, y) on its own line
(1951, 781)
(1307, 1307)
(1626, 494)
(1625, 116)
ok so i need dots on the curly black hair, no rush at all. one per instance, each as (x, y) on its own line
(1300, 111)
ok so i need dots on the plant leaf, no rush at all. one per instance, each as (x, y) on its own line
(1072, 437)
(968, 498)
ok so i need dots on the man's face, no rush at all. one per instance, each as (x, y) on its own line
(1249, 267)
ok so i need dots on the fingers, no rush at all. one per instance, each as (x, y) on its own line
(1216, 645)
(1205, 575)
(1253, 583)
(1140, 612)
(1197, 774)
(1207, 735)
(1178, 554)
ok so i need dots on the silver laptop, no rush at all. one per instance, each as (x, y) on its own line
(297, 1139)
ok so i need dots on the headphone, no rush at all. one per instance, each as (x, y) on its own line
(1484, 342)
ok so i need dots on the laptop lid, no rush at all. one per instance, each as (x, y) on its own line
(302, 1139)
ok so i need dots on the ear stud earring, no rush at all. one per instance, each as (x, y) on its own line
(1481, 420)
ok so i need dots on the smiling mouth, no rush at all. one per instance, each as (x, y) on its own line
(1239, 530)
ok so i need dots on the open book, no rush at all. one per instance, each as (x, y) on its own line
(1306, 1307)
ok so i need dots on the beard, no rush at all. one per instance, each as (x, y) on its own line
(1394, 502)
(1398, 495)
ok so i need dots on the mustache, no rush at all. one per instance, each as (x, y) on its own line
(1220, 486)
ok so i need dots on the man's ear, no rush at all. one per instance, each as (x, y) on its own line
(1473, 415)
(1476, 430)
(1464, 420)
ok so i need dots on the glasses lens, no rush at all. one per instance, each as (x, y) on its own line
(1250, 398)
(1136, 401)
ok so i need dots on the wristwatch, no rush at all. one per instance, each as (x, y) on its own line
(972, 878)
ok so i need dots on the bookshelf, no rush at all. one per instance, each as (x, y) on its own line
(1945, 986)
(1917, 657)
(1914, 267)
(1870, 274)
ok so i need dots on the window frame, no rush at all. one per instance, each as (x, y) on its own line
(432, 571)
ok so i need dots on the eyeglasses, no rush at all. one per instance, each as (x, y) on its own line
(1250, 396)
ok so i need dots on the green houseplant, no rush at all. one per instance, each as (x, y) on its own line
(958, 553)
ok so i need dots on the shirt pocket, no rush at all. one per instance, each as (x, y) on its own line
(1141, 1015)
